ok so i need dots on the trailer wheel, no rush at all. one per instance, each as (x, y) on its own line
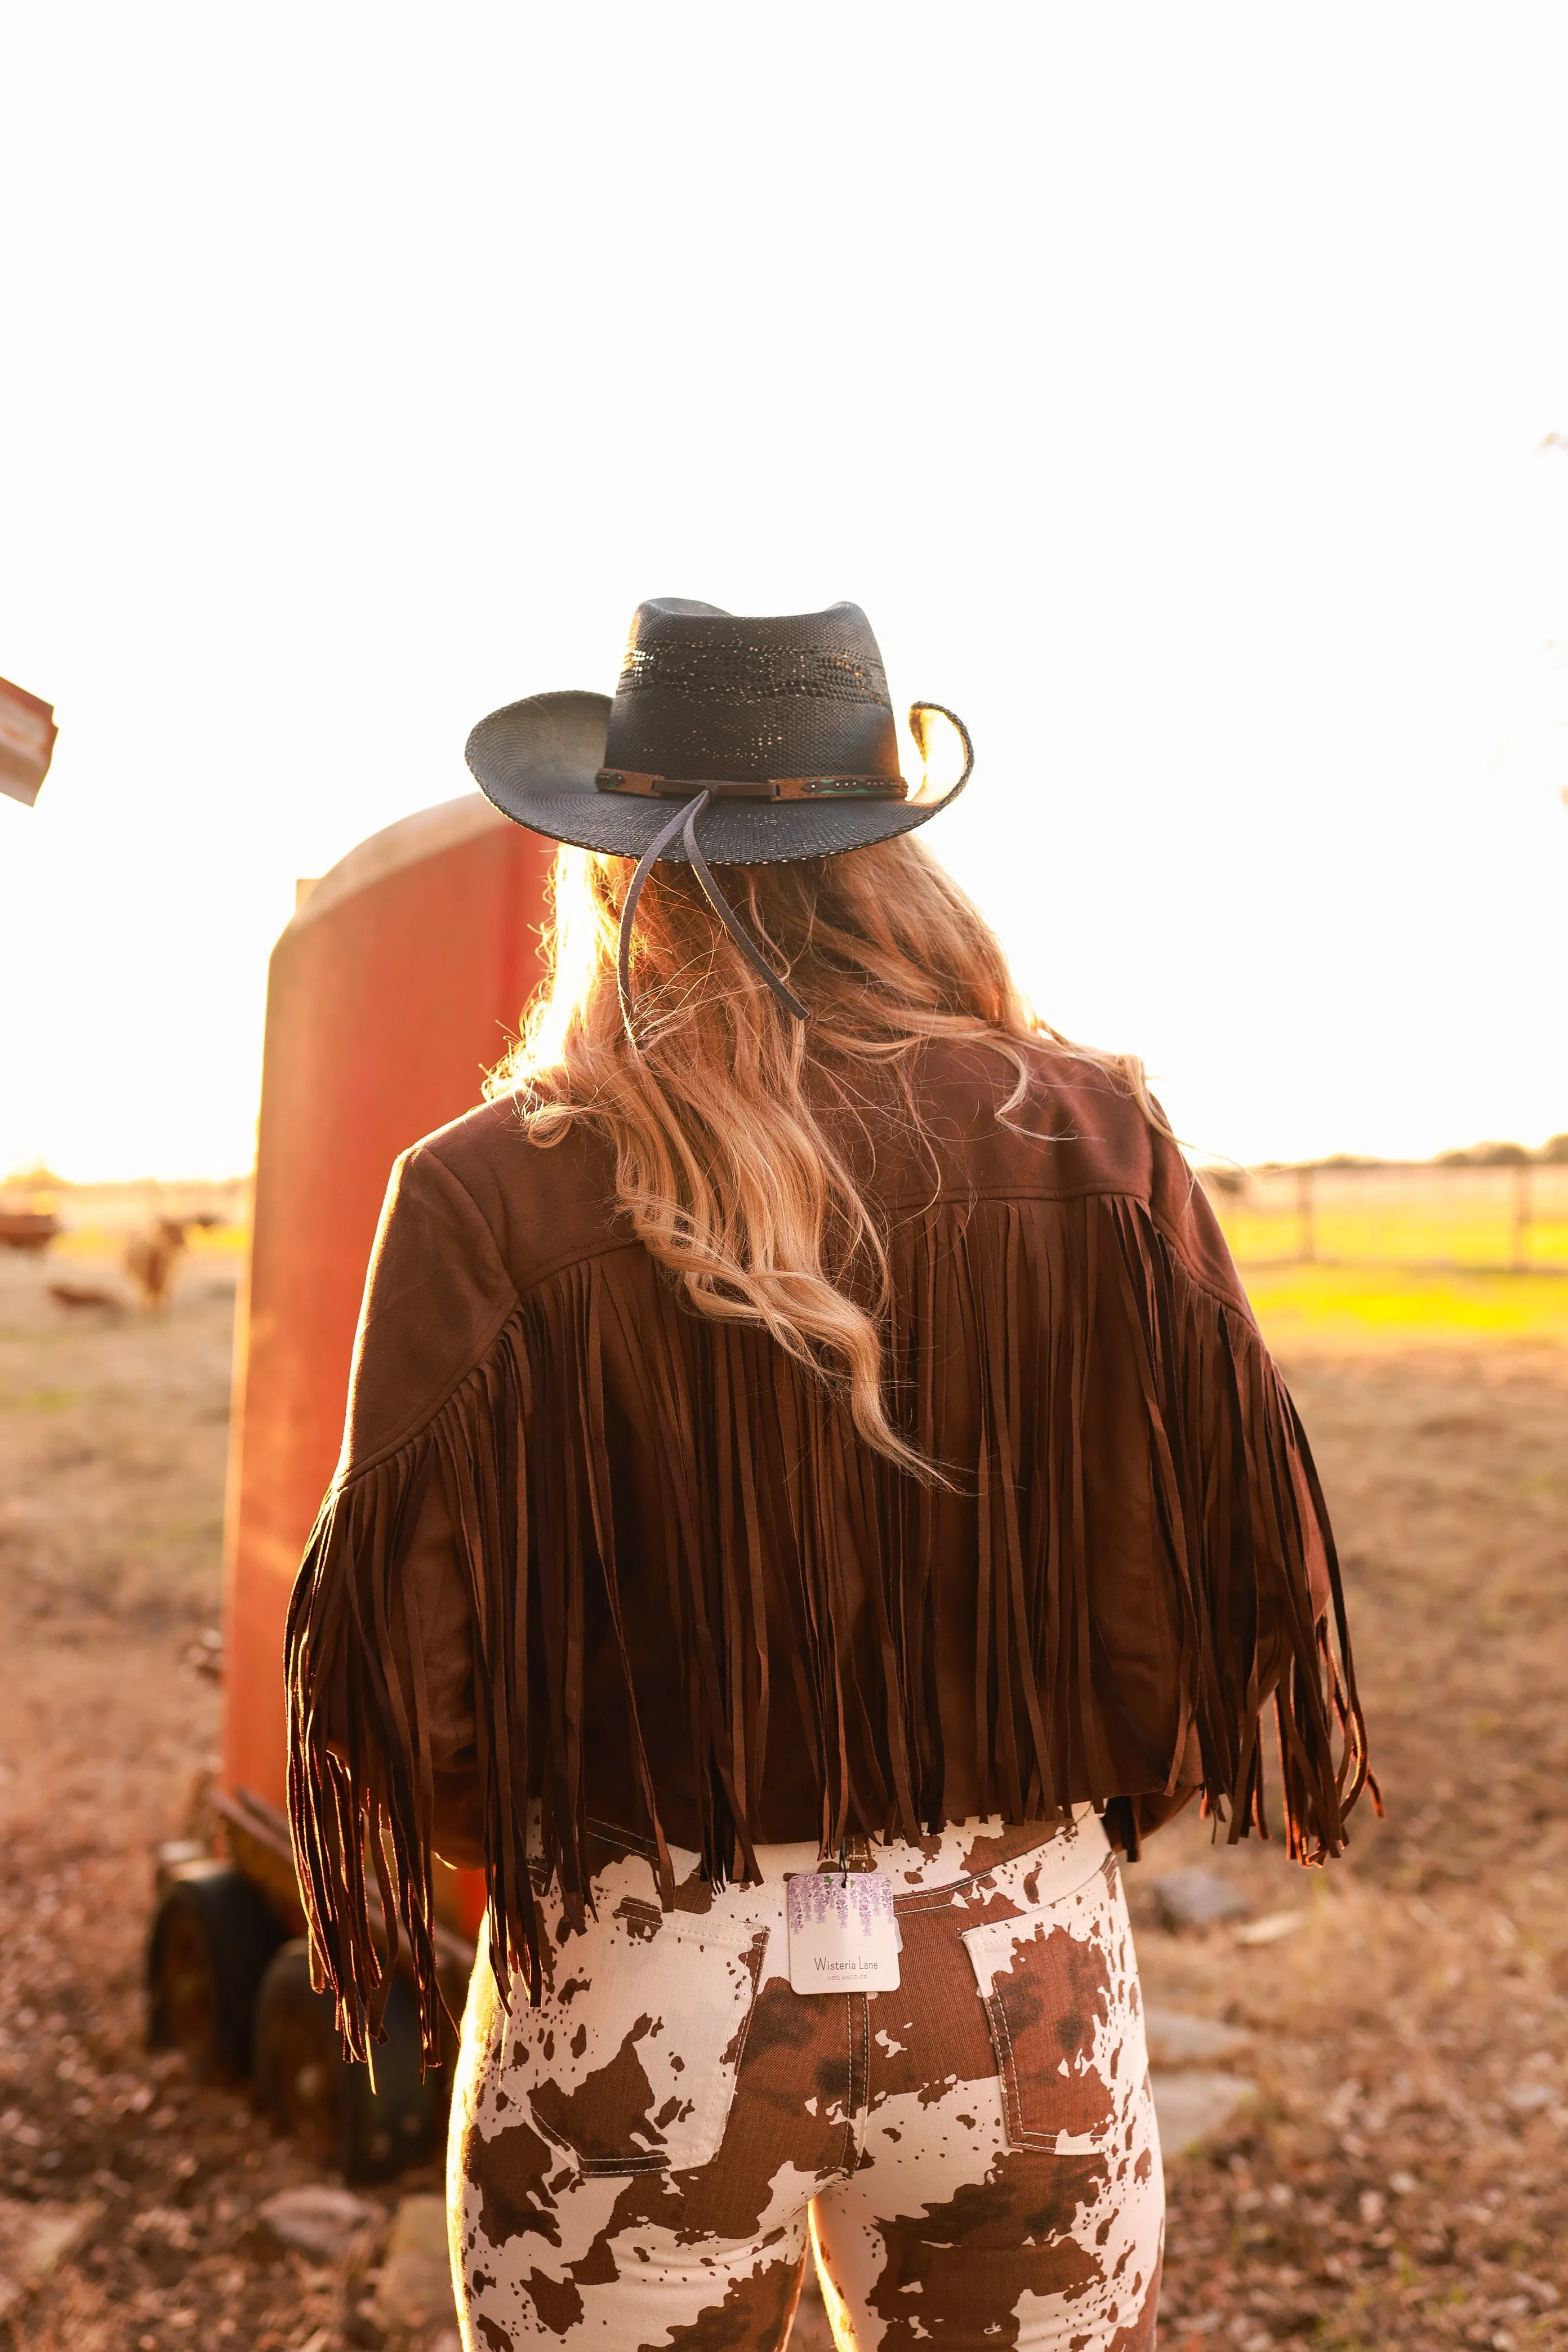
(213, 1934)
(308, 2087)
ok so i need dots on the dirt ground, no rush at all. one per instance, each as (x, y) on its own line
(1402, 2176)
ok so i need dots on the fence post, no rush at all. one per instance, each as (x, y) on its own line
(1520, 1257)
(1305, 1214)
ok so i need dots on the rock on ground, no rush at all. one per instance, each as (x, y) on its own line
(316, 2220)
(415, 2290)
(1194, 2105)
(1198, 1899)
(33, 2238)
(1177, 2038)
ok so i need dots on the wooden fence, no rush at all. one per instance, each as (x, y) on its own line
(1513, 1218)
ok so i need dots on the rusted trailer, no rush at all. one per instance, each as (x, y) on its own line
(389, 994)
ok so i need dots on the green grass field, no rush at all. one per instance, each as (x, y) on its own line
(1470, 1233)
(1359, 1305)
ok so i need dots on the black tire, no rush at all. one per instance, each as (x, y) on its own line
(309, 2088)
(213, 1934)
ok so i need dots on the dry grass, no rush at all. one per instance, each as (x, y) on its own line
(113, 1438)
(1403, 2179)
(112, 1445)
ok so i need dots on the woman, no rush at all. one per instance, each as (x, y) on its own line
(813, 1488)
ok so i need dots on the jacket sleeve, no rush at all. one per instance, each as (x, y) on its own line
(383, 1733)
(436, 1297)
(433, 1636)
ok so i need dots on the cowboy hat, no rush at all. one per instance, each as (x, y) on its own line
(776, 733)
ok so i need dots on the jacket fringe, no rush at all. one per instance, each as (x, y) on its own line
(757, 1463)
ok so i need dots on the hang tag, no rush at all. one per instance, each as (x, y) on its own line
(843, 1934)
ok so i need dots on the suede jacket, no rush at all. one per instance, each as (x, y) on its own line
(590, 1556)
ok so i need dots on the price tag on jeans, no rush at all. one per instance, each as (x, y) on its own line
(843, 1935)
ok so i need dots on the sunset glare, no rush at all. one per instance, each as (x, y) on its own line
(1183, 393)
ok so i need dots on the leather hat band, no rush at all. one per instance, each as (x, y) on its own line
(772, 788)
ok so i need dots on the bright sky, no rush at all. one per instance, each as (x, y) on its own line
(1168, 384)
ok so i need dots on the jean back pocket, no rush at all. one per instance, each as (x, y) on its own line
(630, 2060)
(1060, 1987)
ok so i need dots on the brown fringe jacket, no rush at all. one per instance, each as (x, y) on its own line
(588, 1554)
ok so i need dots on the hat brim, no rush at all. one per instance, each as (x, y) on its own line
(538, 759)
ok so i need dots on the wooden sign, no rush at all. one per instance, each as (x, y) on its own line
(27, 732)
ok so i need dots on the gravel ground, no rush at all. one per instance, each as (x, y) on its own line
(1404, 2176)
(1399, 2177)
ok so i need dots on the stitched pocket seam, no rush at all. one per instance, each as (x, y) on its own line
(1018, 2134)
(1011, 2095)
(755, 1948)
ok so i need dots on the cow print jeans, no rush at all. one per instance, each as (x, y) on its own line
(642, 2160)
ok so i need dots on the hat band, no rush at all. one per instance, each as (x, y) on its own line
(771, 788)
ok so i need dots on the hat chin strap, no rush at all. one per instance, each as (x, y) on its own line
(684, 822)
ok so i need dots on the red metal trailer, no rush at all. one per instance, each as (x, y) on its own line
(389, 994)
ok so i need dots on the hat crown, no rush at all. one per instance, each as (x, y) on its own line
(707, 695)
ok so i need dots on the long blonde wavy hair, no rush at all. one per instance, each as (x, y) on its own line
(727, 1164)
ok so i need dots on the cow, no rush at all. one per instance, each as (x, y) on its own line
(151, 1257)
(79, 1298)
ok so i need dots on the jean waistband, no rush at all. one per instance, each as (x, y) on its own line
(1064, 1852)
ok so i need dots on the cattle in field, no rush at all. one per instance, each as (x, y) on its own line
(80, 1297)
(27, 1229)
(151, 1257)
